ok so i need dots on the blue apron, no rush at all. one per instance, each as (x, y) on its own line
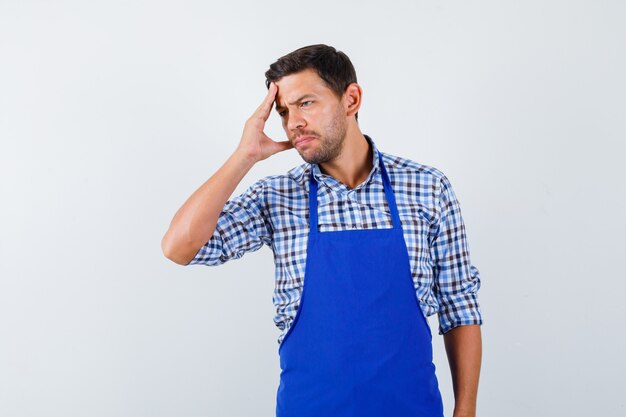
(359, 345)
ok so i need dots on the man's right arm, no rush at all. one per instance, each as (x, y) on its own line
(195, 221)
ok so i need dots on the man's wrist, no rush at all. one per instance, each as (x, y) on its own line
(464, 412)
(243, 159)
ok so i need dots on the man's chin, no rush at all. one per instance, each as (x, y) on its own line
(307, 160)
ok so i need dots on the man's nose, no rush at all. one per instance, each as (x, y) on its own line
(296, 121)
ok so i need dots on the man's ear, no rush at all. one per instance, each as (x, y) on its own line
(352, 98)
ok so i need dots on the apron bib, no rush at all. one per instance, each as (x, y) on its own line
(359, 345)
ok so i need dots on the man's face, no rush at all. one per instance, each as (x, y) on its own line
(309, 109)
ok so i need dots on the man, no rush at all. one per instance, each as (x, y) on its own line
(366, 246)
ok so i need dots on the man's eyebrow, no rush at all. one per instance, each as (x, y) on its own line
(309, 95)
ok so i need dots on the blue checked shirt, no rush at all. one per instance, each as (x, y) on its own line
(274, 212)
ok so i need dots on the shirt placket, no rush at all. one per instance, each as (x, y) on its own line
(355, 210)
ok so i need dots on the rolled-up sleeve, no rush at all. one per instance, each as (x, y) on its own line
(243, 226)
(457, 281)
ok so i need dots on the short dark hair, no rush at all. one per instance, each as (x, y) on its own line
(332, 66)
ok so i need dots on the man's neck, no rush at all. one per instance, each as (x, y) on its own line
(354, 163)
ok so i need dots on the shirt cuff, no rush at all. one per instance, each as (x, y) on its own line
(461, 310)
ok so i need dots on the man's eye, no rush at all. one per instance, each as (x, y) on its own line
(308, 101)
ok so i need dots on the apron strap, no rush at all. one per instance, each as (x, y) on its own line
(312, 204)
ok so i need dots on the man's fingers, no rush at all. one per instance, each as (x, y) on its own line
(265, 108)
(269, 100)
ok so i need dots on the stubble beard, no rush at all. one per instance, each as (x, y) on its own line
(331, 145)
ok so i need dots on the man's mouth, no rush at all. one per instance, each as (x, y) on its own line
(303, 139)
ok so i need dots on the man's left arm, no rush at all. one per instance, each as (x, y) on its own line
(464, 349)
(456, 287)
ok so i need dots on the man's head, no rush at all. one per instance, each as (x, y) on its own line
(317, 96)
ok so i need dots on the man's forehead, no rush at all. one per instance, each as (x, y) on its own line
(294, 87)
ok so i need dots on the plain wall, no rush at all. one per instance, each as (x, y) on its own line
(113, 112)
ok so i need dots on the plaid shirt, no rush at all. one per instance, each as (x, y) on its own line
(274, 211)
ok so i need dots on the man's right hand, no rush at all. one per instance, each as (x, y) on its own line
(255, 144)
(195, 221)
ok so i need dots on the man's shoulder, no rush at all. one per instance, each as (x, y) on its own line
(287, 182)
(398, 165)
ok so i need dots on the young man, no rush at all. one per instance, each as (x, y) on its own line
(366, 246)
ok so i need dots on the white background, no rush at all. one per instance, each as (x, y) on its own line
(113, 112)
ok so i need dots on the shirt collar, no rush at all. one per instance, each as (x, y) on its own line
(329, 180)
